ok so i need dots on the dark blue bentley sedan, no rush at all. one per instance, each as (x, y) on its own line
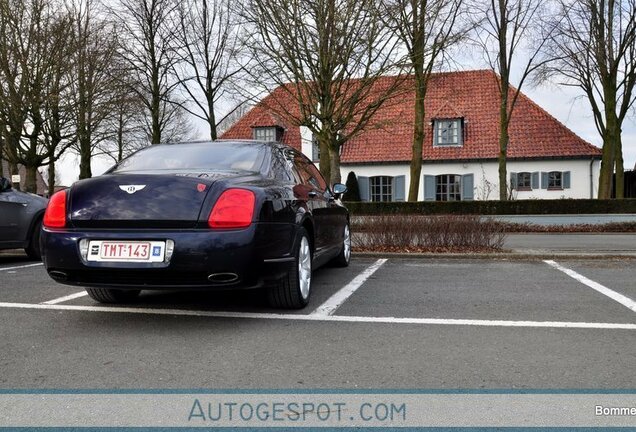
(206, 215)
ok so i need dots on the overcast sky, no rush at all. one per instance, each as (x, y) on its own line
(560, 102)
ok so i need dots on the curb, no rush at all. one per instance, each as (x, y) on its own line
(504, 256)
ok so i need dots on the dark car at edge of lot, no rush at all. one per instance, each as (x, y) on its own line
(20, 219)
(207, 215)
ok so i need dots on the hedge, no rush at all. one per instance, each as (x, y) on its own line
(525, 207)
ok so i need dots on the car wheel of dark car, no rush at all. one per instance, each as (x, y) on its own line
(294, 289)
(108, 295)
(342, 260)
(33, 249)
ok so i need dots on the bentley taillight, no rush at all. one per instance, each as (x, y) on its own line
(55, 214)
(233, 209)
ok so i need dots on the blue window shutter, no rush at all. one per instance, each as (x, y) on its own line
(363, 186)
(399, 188)
(566, 179)
(513, 180)
(435, 127)
(535, 180)
(460, 132)
(544, 180)
(467, 187)
(429, 188)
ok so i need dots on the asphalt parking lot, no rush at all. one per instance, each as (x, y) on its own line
(381, 323)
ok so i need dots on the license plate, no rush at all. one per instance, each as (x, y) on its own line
(126, 251)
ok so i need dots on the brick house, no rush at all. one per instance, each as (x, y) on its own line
(545, 159)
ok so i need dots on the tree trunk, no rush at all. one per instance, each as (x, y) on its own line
(85, 158)
(156, 127)
(30, 183)
(504, 89)
(418, 138)
(155, 109)
(607, 169)
(82, 116)
(51, 168)
(212, 120)
(334, 158)
(503, 147)
(325, 159)
(608, 159)
(417, 55)
(9, 151)
(620, 169)
(120, 136)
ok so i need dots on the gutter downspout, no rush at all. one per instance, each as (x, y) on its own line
(592, 178)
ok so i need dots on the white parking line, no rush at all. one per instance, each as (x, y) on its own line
(65, 298)
(336, 300)
(325, 318)
(20, 267)
(624, 300)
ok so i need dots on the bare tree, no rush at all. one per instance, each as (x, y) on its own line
(58, 112)
(15, 30)
(594, 44)
(427, 28)
(34, 57)
(209, 35)
(125, 127)
(504, 28)
(328, 56)
(94, 77)
(148, 35)
(176, 126)
(234, 115)
(2, 140)
(52, 182)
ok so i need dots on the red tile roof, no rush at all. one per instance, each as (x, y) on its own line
(471, 95)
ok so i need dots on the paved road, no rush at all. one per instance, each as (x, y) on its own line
(592, 243)
(569, 219)
(411, 324)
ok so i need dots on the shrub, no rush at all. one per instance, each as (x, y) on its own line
(353, 189)
(449, 233)
(564, 206)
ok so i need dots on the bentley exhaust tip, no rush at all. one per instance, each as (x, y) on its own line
(58, 275)
(223, 278)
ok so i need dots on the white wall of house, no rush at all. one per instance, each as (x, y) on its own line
(485, 176)
(582, 172)
(306, 141)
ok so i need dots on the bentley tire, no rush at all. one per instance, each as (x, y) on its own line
(342, 260)
(109, 295)
(293, 290)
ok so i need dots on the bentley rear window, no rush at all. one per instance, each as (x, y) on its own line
(230, 156)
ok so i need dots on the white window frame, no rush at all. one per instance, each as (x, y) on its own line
(265, 133)
(381, 188)
(448, 132)
(555, 180)
(443, 189)
(524, 187)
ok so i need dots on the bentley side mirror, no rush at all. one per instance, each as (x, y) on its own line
(5, 184)
(338, 190)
